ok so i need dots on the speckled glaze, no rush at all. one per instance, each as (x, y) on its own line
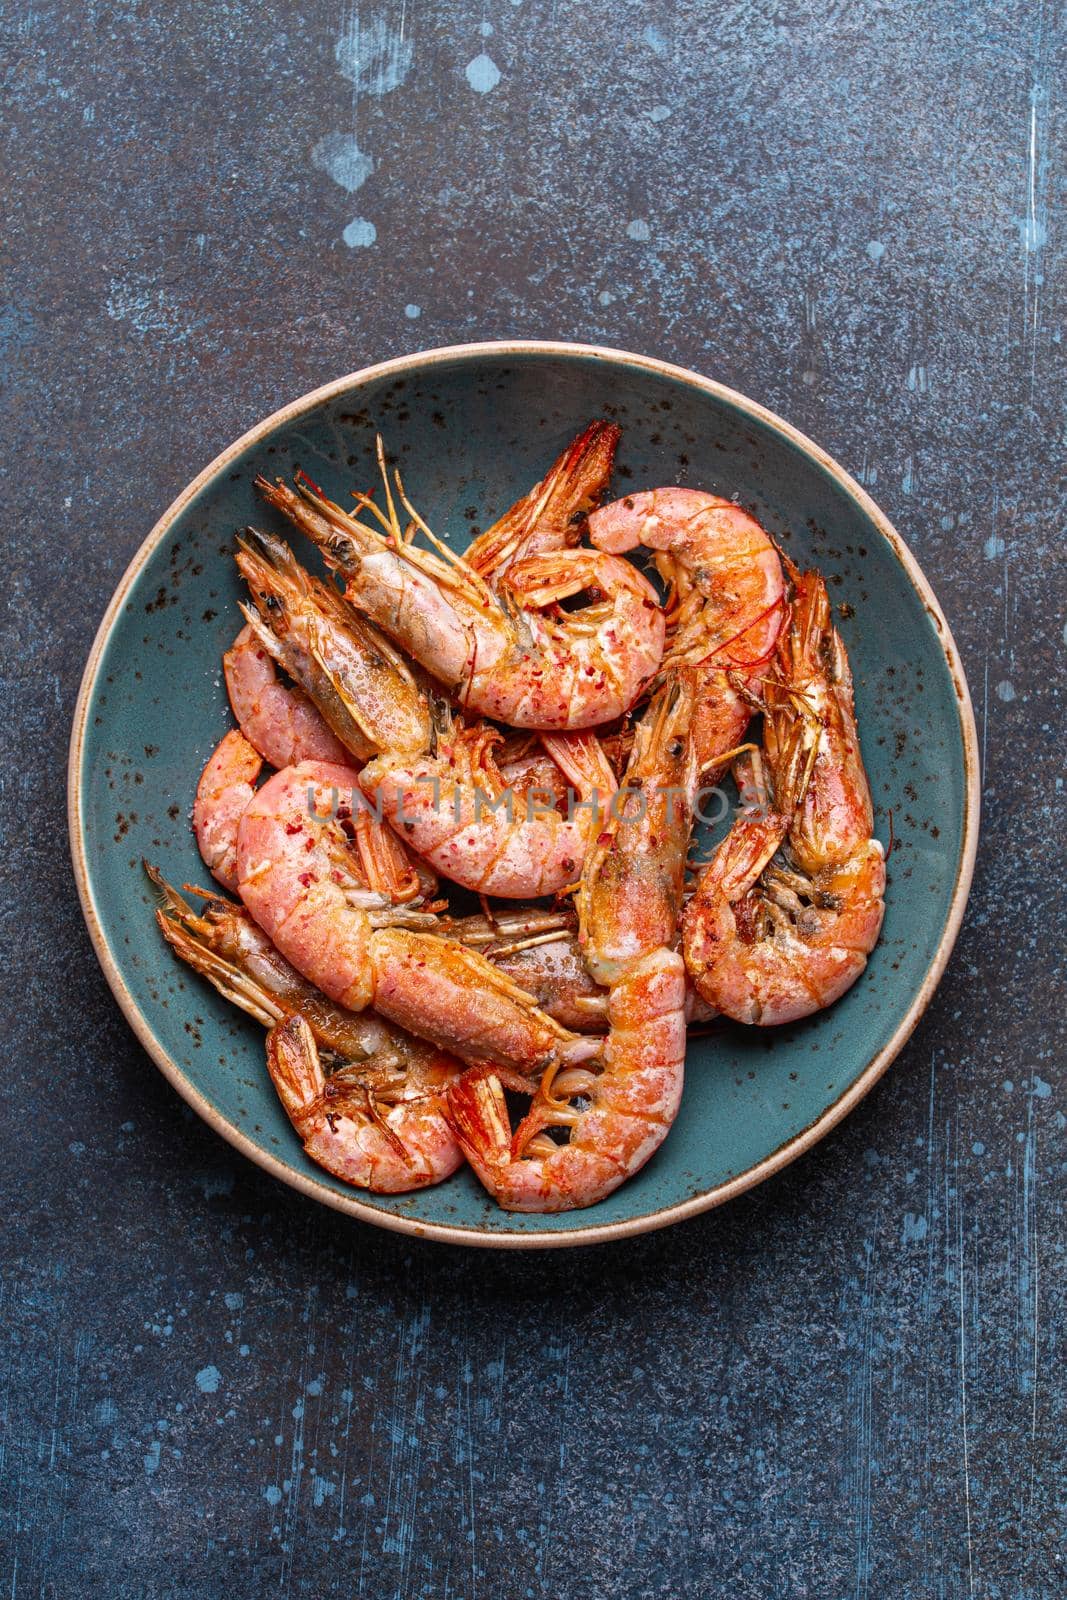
(471, 427)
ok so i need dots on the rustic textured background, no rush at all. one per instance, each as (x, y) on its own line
(848, 1384)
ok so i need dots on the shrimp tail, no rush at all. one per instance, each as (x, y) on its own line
(552, 515)
(478, 1113)
(294, 1066)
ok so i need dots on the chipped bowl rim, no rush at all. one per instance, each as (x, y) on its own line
(595, 1233)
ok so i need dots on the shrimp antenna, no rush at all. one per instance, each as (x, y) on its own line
(467, 572)
(439, 563)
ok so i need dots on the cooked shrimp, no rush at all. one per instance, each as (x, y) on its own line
(791, 905)
(304, 883)
(277, 719)
(727, 598)
(226, 786)
(628, 903)
(552, 514)
(377, 1126)
(360, 684)
(378, 1119)
(515, 655)
(455, 808)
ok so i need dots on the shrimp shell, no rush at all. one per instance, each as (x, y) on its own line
(456, 810)
(226, 787)
(306, 887)
(377, 1119)
(279, 720)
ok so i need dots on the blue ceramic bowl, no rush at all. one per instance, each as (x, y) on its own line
(472, 428)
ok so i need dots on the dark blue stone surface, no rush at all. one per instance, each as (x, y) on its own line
(849, 1383)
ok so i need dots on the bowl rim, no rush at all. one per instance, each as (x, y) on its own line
(595, 1233)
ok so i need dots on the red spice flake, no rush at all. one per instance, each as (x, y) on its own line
(293, 827)
(307, 879)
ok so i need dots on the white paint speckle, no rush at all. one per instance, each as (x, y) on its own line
(1032, 233)
(639, 229)
(272, 1494)
(915, 1228)
(1005, 690)
(655, 40)
(483, 74)
(208, 1380)
(606, 297)
(993, 547)
(339, 155)
(486, 30)
(359, 233)
(659, 113)
(413, 312)
(148, 307)
(876, 250)
(233, 1301)
(375, 58)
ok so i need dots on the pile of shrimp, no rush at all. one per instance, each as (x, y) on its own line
(530, 723)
